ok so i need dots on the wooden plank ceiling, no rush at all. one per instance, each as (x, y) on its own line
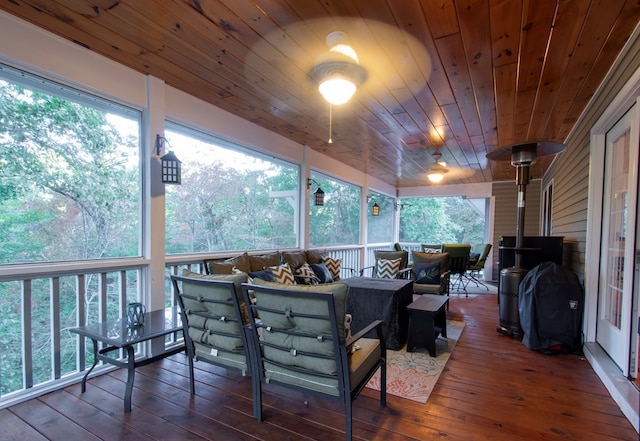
(465, 76)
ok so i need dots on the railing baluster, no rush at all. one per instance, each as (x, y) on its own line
(56, 363)
(102, 301)
(27, 343)
(81, 320)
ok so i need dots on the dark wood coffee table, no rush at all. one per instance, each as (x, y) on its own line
(427, 320)
(115, 334)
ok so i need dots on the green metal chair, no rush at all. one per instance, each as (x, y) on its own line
(458, 258)
(214, 318)
(475, 266)
(299, 341)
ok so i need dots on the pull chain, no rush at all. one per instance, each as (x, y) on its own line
(330, 141)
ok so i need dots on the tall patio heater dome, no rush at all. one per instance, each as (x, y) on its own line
(522, 157)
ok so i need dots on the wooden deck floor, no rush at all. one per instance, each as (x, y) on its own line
(493, 388)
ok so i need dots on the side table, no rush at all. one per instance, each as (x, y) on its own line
(116, 335)
(427, 319)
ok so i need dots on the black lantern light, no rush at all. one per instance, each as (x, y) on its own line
(171, 166)
(375, 208)
(318, 195)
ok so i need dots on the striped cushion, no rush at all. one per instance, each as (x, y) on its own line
(388, 269)
(333, 265)
(310, 277)
(283, 274)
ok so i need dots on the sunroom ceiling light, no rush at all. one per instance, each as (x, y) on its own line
(437, 170)
(337, 72)
(337, 89)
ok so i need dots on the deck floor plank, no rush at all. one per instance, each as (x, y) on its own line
(492, 388)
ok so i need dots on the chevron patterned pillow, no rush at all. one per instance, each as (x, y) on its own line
(387, 269)
(309, 276)
(283, 274)
(333, 265)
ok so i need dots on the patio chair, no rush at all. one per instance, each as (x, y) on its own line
(214, 324)
(458, 258)
(474, 266)
(388, 265)
(299, 342)
(430, 273)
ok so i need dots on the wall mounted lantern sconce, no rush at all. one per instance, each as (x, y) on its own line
(375, 209)
(171, 166)
(318, 195)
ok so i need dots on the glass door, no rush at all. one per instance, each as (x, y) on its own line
(617, 253)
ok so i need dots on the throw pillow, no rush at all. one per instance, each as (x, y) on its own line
(226, 266)
(387, 268)
(322, 272)
(295, 259)
(427, 273)
(283, 274)
(307, 275)
(333, 265)
(264, 261)
(264, 275)
(441, 258)
(431, 250)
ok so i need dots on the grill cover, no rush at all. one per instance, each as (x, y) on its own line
(551, 304)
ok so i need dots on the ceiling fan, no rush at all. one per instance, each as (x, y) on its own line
(374, 56)
(438, 169)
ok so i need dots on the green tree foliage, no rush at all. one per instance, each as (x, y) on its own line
(380, 228)
(229, 202)
(440, 220)
(338, 221)
(68, 189)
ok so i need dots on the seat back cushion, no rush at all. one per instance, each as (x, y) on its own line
(338, 290)
(215, 328)
(440, 258)
(295, 259)
(241, 262)
(264, 261)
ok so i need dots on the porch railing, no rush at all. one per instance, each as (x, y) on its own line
(40, 303)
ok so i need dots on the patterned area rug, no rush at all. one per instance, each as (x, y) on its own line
(413, 375)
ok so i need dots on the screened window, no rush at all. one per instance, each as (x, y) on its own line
(231, 198)
(337, 222)
(69, 173)
(452, 219)
(380, 227)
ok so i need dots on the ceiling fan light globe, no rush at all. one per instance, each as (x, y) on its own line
(435, 177)
(337, 89)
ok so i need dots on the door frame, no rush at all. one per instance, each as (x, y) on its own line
(625, 394)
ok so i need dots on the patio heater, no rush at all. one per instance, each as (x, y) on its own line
(522, 157)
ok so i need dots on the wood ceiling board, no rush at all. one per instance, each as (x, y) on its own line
(534, 36)
(505, 18)
(566, 31)
(506, 77)
(442, 17)
(476, 36)
(452, 53)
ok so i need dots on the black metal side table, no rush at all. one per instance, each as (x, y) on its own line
(427, 320)
(115, 334)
